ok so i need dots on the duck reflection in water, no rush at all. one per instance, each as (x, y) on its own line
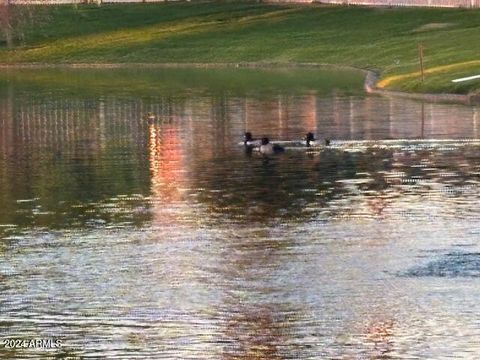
(296, 186)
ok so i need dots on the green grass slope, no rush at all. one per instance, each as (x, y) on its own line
(381, 39)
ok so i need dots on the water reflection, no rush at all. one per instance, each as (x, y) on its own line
(62, 156)
(164, 240)
(254, 333)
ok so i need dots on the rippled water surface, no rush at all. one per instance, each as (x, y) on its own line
(129, 239)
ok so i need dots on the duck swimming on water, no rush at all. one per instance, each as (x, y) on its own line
(309, 138)
(268, 148)
(311, 141)
(250, 141)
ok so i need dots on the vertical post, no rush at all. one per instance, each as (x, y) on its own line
(420, 57)
(423, 121)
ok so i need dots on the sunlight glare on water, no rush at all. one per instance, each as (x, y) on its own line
(128, 239)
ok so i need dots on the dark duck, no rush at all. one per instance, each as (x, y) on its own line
(311, 141)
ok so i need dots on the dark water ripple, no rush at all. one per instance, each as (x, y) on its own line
(455, 264)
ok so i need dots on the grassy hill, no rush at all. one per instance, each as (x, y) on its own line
(381, 39)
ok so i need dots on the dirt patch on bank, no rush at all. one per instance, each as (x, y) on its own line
(371, 88)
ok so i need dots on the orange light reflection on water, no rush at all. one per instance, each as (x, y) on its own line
(166, 159)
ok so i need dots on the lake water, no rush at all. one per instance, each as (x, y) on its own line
(128, 239)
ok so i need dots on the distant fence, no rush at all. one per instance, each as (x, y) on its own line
(404, 3)
(412, 3)
(59, 2)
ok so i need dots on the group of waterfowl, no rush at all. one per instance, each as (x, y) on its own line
(263, 145)
(266, 147)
